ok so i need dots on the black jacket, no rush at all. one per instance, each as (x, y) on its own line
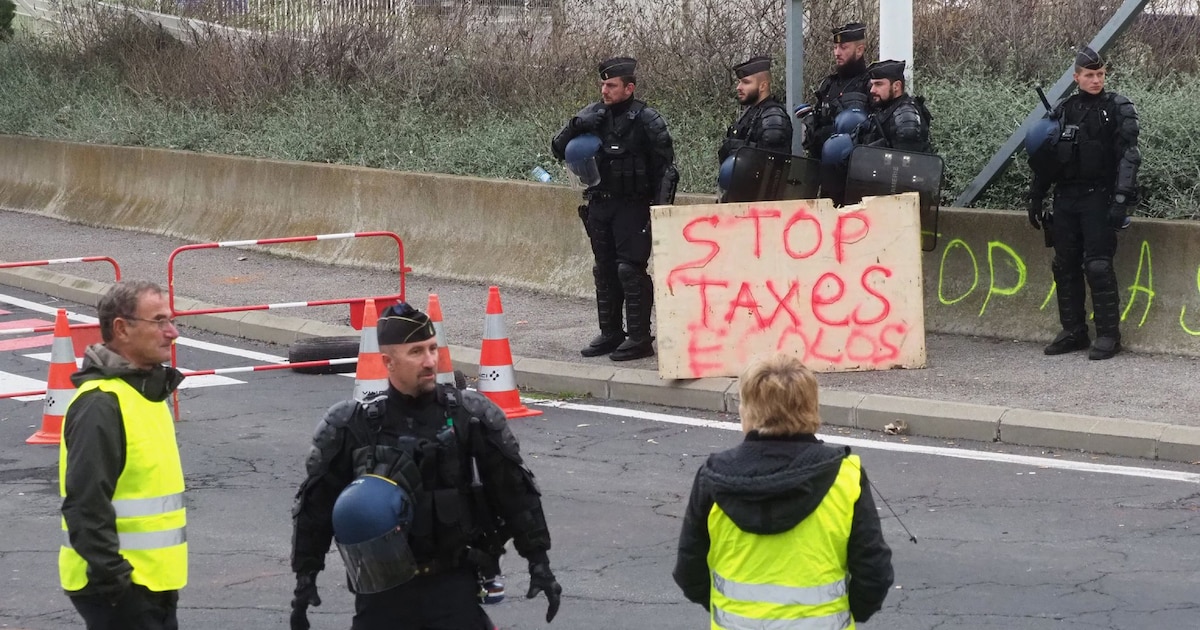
(1105, 150)
(508, 484)
(848, 88)
(764, 125)
(768, 485)
(95, 438)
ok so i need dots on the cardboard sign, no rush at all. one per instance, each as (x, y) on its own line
(839, 288)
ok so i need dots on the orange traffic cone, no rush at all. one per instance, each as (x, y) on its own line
(59, 388)
(445, 369)
(497, 380)
(370, 379)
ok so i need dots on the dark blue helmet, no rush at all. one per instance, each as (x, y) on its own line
(849, 120)
(837, 149)
(725, 175)
(1042, 133)
(582, 147)
(370, 507)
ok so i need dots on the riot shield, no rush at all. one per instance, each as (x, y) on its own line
(880, 171)
(760, 175)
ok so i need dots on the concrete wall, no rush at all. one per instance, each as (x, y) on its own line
(990, 274)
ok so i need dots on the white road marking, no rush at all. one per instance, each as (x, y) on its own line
(13, 383)
(1005, 458)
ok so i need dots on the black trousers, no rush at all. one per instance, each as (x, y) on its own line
(445, 601)
(1084, 245)
(620, 237)
(138, 609)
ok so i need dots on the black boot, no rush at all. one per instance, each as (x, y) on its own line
(1068, 341)
(1104, 348)
(1070, 294)
(638, 298)
(609, 301)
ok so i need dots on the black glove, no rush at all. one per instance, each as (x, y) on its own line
(1036, 215)
(305, 596)
(542, 580)
(1118, 212)
(589, 119)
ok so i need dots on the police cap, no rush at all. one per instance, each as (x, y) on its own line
(1089, 59)
(889, 69)
(852, 32)
(618, 67)
(753, 66)
(402, 323)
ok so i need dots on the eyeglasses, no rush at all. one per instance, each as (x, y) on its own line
(163, 324)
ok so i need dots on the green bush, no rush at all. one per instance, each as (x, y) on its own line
(486, 99)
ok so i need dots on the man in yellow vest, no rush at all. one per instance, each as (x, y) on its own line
(781, 531)
(123, 557)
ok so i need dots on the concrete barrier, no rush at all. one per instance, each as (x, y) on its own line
(990, 274)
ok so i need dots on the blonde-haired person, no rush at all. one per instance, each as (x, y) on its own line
(783, 527)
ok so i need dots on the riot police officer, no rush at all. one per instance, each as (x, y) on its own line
(632, 168)
(764, 122)
(897, 120)
(1092, 163)
(462, 490)
(846, 88)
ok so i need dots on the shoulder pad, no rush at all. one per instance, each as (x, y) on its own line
(339, 415)
(653, 120)
(481, 407)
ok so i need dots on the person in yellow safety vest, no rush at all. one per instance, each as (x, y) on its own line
(780, 531)
(123, 557)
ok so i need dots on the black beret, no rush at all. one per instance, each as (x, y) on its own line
(618, 67)
(889, 69)
(753, 66)
(1089, 59)
(402, 323)
(852, 32)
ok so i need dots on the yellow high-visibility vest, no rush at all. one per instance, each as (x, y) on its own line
(794, 580)
(148, 499)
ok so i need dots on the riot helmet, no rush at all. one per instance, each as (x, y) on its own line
(837, 149)
(372, 518)
(725, 175)
(849, 120)
(581, 159)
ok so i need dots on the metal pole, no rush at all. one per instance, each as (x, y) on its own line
(1000, 161)
(795, 66)
(896, 35)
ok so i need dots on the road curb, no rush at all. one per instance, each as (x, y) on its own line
(927, 418)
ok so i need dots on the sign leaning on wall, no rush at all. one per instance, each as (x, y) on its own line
(840, 288)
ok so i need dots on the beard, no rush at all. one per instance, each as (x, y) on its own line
(751, 97)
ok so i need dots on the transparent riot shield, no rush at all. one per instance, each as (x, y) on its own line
(760, 175)
(877, 171)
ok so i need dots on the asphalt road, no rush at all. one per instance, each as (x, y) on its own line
(1005, 542)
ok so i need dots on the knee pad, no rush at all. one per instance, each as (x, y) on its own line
(628, 272)
(1098, 266)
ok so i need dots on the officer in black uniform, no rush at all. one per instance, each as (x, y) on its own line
(764, 123)
(453, 453)
(1094, 175)
(637, 169)
(845, 89)
(898, 120)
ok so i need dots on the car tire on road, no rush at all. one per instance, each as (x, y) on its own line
(321, 349)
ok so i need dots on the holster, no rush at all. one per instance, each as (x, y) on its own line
(1048, 229)
(583, 216)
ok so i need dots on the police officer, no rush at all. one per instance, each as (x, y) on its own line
(898, 120)
(846, 88)
(124, 553)
(452, 453)
(764, 122)
(635, 169)
(1094, 174)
